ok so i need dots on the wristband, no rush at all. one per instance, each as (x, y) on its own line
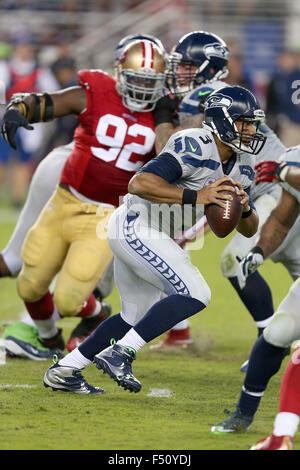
(247, 214)
(257, 249)
(189, 196)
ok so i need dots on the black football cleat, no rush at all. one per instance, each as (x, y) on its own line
(116, 361)
(68, 379)
(237, 423)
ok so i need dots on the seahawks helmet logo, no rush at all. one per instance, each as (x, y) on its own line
(216, 50)
(218, 100)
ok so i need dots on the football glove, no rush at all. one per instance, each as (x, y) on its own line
(270, 171)
(165, 109)
(249, 265)
(11, 121)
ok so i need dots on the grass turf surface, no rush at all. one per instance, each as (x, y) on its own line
(201, 382)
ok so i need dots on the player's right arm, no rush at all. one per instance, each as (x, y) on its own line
(292, 177)
(272, 234)
(154, 183)
(164, 130)
(278, 224)
(165, 126)
(163, 117)
(26, 108)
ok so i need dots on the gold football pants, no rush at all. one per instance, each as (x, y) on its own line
(68, 238)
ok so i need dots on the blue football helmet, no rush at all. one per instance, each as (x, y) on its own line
(133, 37)
(224, 107)
(205, 51)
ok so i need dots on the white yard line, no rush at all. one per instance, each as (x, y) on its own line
(160, 392)
(17, 386)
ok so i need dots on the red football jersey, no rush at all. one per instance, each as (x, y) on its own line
(111, 142)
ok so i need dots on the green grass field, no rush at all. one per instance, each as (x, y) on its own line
(200, 383)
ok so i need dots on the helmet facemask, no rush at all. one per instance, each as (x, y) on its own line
(246, 142)
(140, 75)
(140, 90)
(240, 141)
(180, 83)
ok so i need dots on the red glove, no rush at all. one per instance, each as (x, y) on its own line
(268, 171)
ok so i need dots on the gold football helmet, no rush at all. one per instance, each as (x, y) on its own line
(140, 75)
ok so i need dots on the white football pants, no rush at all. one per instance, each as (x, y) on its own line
(148, 266)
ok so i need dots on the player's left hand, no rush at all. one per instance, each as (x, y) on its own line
(268, 171)
(249, 265)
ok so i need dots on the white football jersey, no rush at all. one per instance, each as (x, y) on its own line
(292, 157)
(272, 149)
(192, 157)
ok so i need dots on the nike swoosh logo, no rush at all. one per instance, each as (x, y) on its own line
(202, 93)
(193, 149)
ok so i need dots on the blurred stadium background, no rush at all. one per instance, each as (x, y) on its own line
(63, 36)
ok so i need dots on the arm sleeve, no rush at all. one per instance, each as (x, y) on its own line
(165, 166)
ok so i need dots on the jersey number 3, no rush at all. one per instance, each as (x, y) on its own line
(117, 150)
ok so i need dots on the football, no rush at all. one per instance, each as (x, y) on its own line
(223, 220)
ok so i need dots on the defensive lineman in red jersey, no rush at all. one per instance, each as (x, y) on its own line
(111, 143)
(115, 137)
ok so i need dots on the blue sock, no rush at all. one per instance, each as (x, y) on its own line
(165, 314)
(264, 361)
(114, 327)
(256, 296)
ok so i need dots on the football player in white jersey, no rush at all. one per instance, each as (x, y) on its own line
(265, 197)
(284, 328)
(198, 58)
(22, 337)
(185, 176)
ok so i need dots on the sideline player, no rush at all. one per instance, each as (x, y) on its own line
(114, 138)
(284, 328)
(148, 262)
